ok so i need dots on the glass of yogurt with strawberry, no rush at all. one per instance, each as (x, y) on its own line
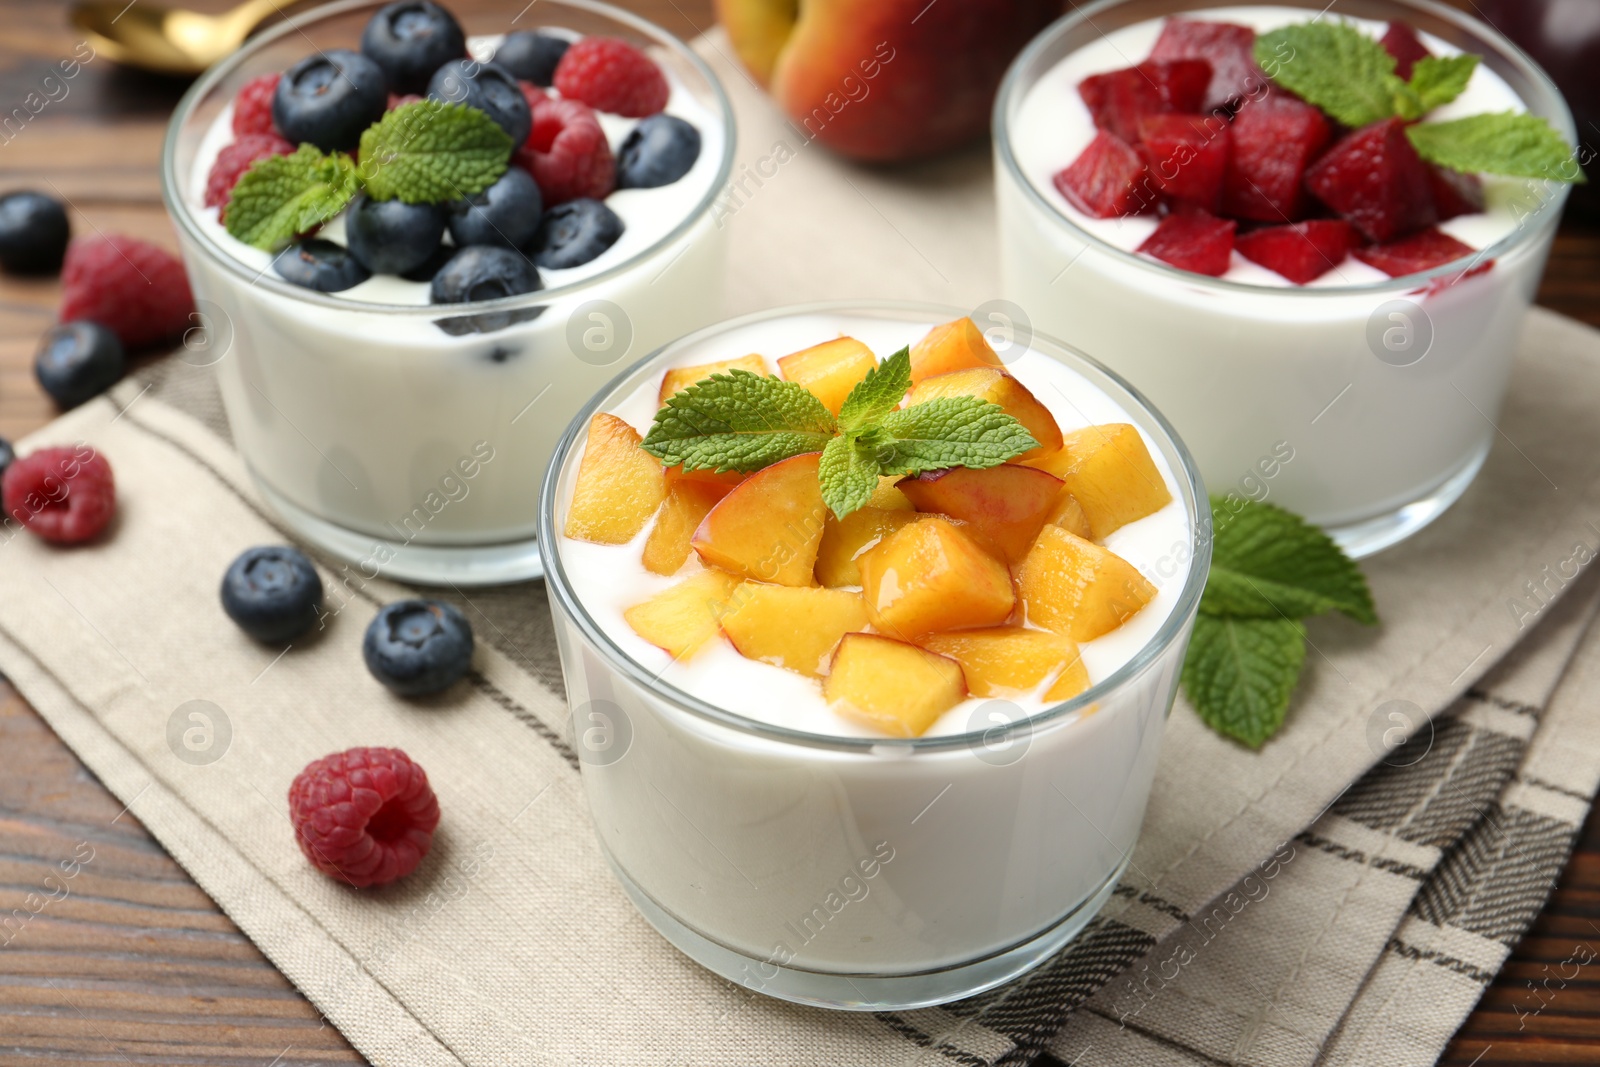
(1310, 234)
(870, 634)
(420, 240)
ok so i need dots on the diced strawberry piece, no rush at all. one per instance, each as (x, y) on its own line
(1187, 156)
(1455, 193)
(1300, 251)
(1108, 179)
(1275, 137)
(1193, 241)
(1418, 252)
(1401, 41)
(1119, 98)
(1374, 178)
(1230, 50)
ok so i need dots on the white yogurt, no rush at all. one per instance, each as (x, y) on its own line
(609, 579)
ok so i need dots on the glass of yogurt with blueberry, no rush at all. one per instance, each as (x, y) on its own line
(1309, 233)
(419, 240)
(874, 732)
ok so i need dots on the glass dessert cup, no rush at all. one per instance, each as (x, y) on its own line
(867, 873)
(408, 438)
(1384, 396)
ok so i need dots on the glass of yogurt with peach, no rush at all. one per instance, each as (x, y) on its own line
(890, 757)
(1327, 314)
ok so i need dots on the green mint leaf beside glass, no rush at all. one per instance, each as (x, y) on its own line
(1240, 673)
(280, 197)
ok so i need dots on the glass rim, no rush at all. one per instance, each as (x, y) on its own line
(1011, 88)
(1191, 489)
(298, 23)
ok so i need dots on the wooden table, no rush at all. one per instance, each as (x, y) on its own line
(137, 965)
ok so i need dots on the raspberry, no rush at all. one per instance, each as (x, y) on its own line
(235, 159)
(567, 153)
(365, 815)
(611, 75)
(532, 94)
(402, 99)
(136, 290)
(64, 495)
(252, 108)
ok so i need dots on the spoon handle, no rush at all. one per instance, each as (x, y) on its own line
(252, 13)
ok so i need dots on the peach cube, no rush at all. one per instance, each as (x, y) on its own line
(682, 618)
(888, 495)
(769, 526)
(957, 345)
(929, 576)
(723, 480)
(997, 387)
(619, 485)
(679, 378)
(1109, 471)
(688, 503)
(1007, 661)
(890, 685)
(829, 370)
(1072, 680)
(843, 541)
(1005, 505)
(1068, 514)
(794, 628)
(1077, 588)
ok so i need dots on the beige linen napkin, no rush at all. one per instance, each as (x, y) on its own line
(512, 945)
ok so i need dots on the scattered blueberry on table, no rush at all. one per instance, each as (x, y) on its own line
(272, 592)
(418, 647)
(33, 233)
(77, 361)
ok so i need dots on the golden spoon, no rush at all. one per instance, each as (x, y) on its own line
(168, 40)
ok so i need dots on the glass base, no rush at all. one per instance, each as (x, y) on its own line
(444, 565)
(867, 992)
(1369, 536)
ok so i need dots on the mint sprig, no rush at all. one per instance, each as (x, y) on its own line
(1269, 570)
(743, 421)
(424, 152)
(1350, 75)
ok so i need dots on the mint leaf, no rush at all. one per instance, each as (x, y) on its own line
(1437, 80)
(281, 196)
(1507, 142)
(848, 473)
(950, 431)
(432, 151)
(738, 421)
(1269, 563)
(1334, 66)
(879, 393)
(1240, 673)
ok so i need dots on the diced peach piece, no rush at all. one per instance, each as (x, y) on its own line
(1077, 588)
(619, 485)
(795, 628)
(829, 370)
(681, 619)
(954, 346)
(686, 506)
(1110, 472)
(723, 480)
(768, 527)
(892, 686)
(680, 378)
(1068, 514)
(1073, 680)
(930, 576)
(843, 541)
(1006, 661)
(888, 495)
(997, 387)
(1006, 505)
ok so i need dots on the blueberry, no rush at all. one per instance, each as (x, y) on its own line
(320, 265)
(417, 647)
(392, 236)
(272, 593)
(425, 270)
(659, 151)
(78, 361)
(573, 233)
(532, 56)
(482, 272)
(505, 214)
(328, 99)
(489, 88)
(33, 233)
(7, 455)
(410, 40)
